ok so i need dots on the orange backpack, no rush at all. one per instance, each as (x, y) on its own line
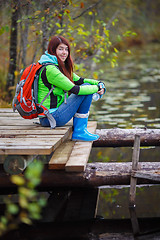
(25, 99)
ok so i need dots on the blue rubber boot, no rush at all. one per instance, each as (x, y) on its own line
(80, 132)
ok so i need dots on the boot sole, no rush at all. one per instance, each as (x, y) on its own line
(79, 140)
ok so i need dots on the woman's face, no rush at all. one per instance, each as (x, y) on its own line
(62, 52)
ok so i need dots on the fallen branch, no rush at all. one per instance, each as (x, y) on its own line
(118, 137)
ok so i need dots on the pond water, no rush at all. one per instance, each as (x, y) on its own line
(133, 91)
(132, 101)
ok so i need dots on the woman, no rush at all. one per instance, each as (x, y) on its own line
(59, 74)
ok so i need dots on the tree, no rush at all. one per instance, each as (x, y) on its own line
(13, 47)
(88, 30)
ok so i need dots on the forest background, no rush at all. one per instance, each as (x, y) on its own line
(98, 30)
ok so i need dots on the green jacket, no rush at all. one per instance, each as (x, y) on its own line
(51, 76)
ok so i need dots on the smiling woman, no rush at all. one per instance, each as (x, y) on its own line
(56, 80)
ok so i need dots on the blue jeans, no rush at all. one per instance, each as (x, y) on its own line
(75, 104)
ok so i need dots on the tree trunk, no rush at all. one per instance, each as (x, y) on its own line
(95, 175)
(118, 137)
(44, 27)
(13, 48)
(24, 33)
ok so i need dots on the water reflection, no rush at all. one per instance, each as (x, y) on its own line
(114, 202)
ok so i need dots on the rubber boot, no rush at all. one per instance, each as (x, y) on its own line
(80, 132)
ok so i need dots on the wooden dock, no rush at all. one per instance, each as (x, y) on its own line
(76, 185)
(26, 138)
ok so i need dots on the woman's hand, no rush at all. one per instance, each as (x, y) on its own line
(102, 88)
(101, 92)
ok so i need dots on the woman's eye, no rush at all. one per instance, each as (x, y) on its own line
(61, 49)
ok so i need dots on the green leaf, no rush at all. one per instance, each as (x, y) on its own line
(34, 207)
(134, 34)
(42, 19)
(4, 220)
(42, 202)
(12, 208)
(119, 38)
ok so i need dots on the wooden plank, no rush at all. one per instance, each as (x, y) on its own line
(43, 131)
(51, 136)
(28, 141)
(80, 153)
(15, 122)
(26, 150)
(79, 157)
(10, 114)
(6, 110)
(33, 126)
(30, 147)
(15, 117)
(61, 155)
(152, 175)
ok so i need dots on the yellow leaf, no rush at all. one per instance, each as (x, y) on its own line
(58, 25)
(33, 27)
(95, 76)
(18, 180)
(16, 73)
(23, 202)
(112, 64)
(116, 51)
(67, 11)
(99, 154)
(26, 220)
(37, 12)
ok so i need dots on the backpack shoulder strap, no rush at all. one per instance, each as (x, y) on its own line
(35, 84)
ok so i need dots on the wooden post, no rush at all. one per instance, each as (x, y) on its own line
(133, 182)
(17, 164)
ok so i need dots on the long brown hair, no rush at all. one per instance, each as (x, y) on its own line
(66, 68)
